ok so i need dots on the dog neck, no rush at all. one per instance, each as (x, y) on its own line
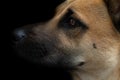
(103, 75)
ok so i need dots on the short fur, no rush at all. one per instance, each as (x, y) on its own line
(83, 36)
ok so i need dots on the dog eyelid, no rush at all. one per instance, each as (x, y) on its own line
(74, 22)
(69, 21)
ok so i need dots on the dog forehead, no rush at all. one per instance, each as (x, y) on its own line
(76, 4)
(81, 6)
(83, 3)
(87, 1)
(86, 6)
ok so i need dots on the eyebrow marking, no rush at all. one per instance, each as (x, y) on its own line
(65, 16)
(69, 13)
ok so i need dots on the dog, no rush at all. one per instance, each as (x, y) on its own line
(83, 37)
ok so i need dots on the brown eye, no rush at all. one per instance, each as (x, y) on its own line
(72, 22)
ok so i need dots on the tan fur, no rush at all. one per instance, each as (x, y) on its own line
(102, 32)
(97, 45)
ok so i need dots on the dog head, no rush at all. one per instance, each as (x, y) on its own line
(83, 34)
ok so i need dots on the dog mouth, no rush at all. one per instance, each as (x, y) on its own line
(46, 54)
(38, 52)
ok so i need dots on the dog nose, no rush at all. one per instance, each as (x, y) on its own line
(19, 34)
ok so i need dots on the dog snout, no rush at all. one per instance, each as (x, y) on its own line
(43, 50)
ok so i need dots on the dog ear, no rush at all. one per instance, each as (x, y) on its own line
(114, 11)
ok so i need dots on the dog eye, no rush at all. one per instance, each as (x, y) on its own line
(72, 23)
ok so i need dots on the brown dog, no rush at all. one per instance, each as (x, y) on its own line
(83, 36)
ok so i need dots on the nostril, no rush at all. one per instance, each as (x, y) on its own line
(19, 34)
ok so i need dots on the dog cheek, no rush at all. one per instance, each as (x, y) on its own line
(100, 60)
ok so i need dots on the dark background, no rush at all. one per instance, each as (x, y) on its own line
(16, 14)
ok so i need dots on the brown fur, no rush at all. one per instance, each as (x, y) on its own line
(91, 53)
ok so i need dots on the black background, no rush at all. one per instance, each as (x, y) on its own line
(16, 14)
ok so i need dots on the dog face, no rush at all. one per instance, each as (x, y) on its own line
(81, 36)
